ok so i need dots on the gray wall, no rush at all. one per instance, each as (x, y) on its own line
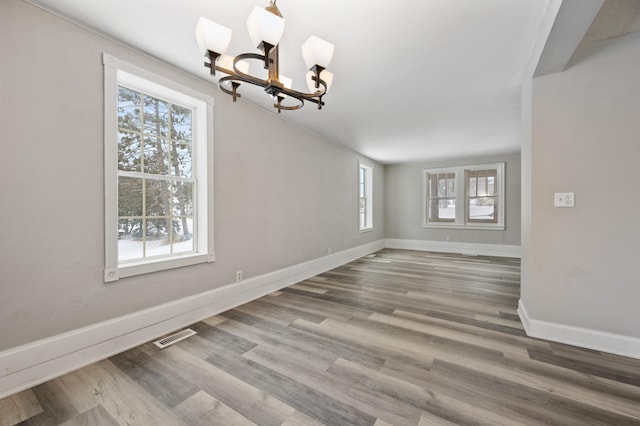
(586, 125)
(282, 195)
(404, 204)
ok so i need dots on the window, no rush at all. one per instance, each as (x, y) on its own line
(465, 197)
(482, 197)
(157, 171)
(442, 197)
(365, 202)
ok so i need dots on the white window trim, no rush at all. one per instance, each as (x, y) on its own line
(369, 192)
(461, 220)
(120, 72)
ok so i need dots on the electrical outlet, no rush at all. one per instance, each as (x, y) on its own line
(448, 237)
(564, 199)
(238, 275)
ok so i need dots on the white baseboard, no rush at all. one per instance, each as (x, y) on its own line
(34, 363)
(578, 336)
(455, 247)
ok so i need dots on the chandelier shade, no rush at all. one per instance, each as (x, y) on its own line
(316, 51)
(212, 36)
(266, 27)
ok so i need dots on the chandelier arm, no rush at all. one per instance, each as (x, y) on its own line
(278, 105)
(233, 77)
(292, 108)
(234, 84)
(307, 96)
(248, 77)
(243, 56)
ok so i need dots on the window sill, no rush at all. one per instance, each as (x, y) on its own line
(491, 227)
(148, 266)
(363, 230)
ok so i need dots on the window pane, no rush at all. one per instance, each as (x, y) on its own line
(491, 185)
(182, 199)
(482, 209)
(129, 196)
(442, 210)
(442, 186)
(181, 123)
(451, 186)
(181, 159)
(433, 186)
(182, 229)
(156, 117)
(183, 240)
(447, 209)
(128, 109)
(157, 237)
(156, 156)
(482, 186)
(433, 209)
(130, 239)
(473, 186)
(129, 151)
(157, 197)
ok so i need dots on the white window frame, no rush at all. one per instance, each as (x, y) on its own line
(461, 220)
(368, 196)
(118, 72)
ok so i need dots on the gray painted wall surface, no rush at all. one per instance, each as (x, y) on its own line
(404, 206)
(282, 195)
(585, 140)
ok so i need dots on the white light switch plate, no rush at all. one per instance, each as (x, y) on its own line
(564, 199)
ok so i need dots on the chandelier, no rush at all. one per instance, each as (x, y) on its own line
(266, 27)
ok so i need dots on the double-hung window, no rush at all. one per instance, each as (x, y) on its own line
(482, 196)
(441, 191)
(471, 197)
(157, 173)
(365, 199)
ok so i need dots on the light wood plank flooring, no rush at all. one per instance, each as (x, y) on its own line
(396, 338)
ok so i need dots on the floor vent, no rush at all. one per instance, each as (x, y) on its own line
(174, 338)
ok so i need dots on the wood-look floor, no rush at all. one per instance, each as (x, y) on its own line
(399, 337)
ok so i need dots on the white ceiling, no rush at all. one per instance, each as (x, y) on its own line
(414, 79)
